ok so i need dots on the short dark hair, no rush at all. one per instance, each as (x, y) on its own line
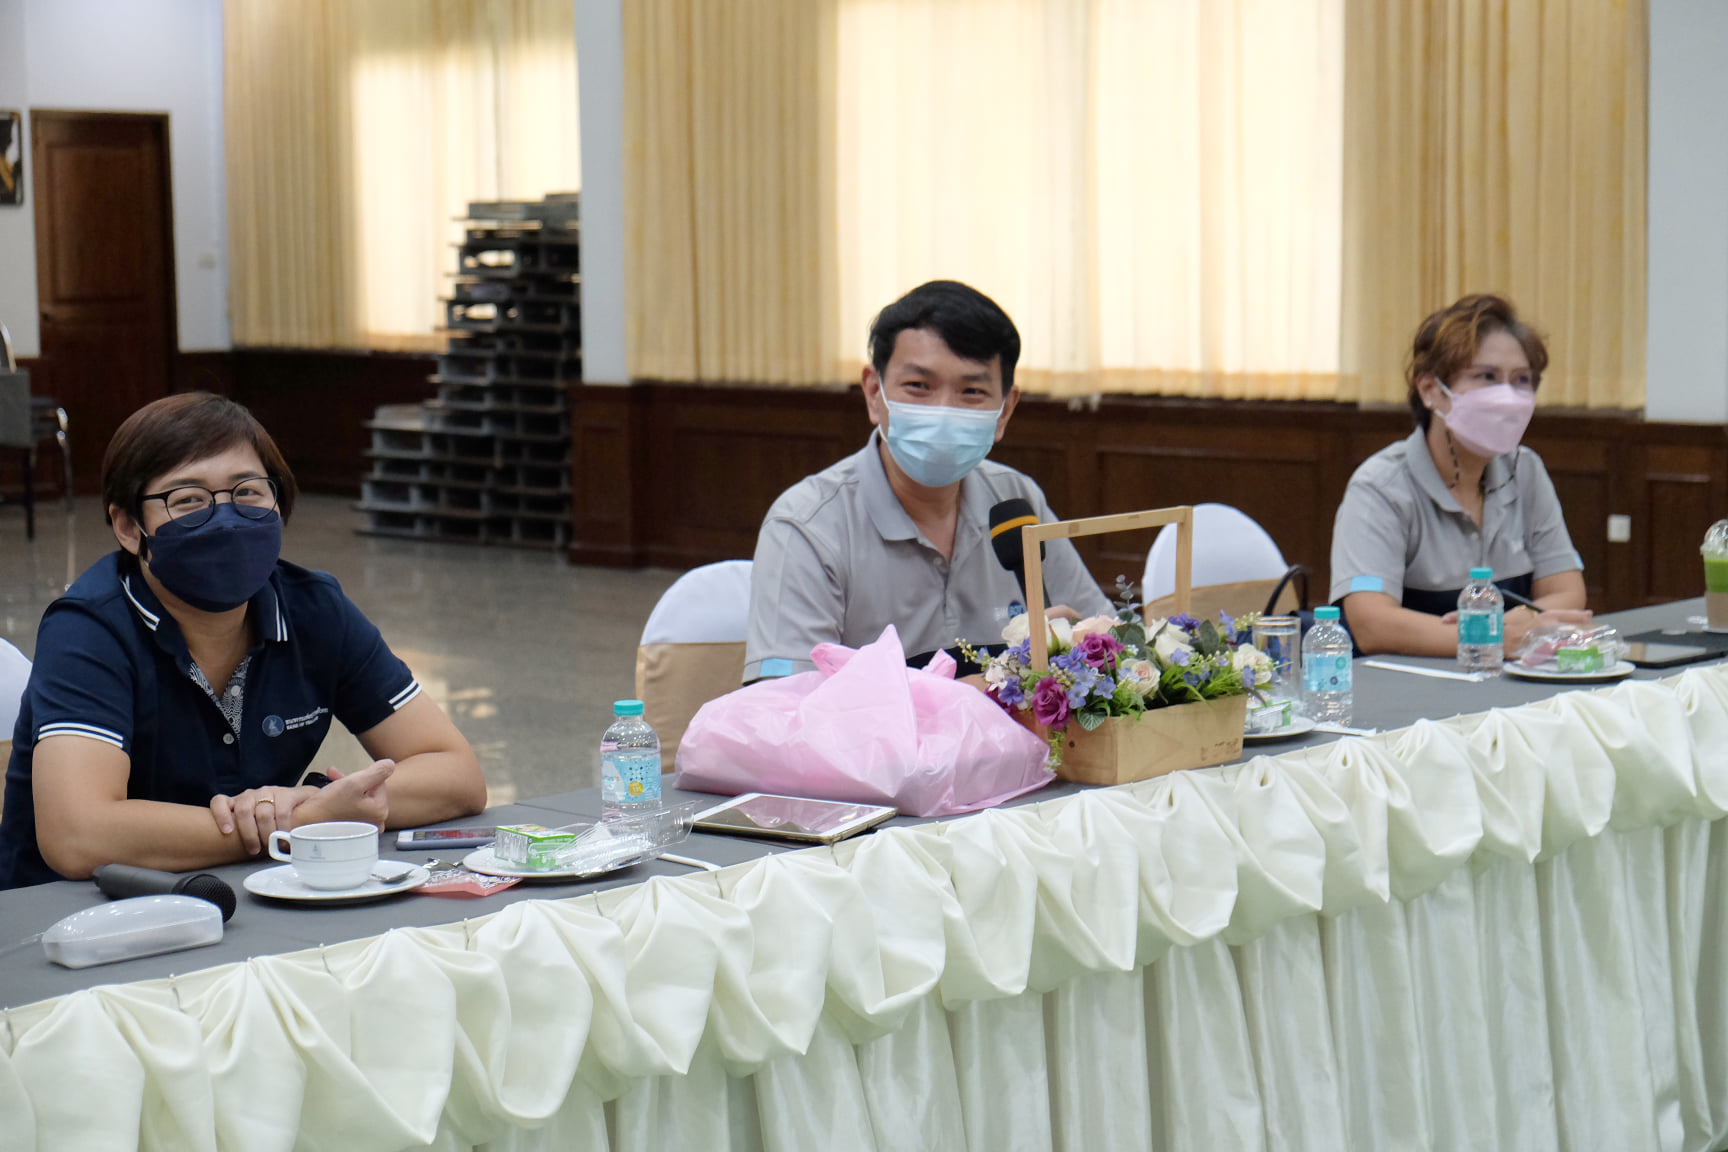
(1447, 342)
(179, 429)
(969, 322)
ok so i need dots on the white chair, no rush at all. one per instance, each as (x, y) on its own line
(1236, 565)
(14, 674)
(692, 648)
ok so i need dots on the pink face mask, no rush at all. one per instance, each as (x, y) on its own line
(1490, 421)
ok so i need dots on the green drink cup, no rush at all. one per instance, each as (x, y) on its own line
(1715, 552)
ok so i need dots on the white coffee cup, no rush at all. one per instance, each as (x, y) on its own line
(334, 855)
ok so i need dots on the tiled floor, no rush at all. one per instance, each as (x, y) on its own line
(526, 651)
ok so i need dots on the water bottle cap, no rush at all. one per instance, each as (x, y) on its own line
(1481, 573)
(627, 708)
(1326, 613)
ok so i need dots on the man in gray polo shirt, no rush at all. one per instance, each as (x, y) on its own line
(899, 532)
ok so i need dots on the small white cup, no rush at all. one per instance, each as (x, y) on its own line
(330, 856)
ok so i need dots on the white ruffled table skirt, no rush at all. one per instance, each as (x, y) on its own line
(1506, 931)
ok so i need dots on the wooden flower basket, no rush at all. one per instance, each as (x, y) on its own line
(1161, 740)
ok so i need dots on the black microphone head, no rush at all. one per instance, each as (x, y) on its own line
(1006, 520)
(211, 888)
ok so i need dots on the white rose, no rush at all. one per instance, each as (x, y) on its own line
(1171, 641)
(1059, 635)
(1143, 675)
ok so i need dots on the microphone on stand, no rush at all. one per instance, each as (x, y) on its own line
(1006, 520)
(118, 881)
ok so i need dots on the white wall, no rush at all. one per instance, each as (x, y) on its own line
(17, 225)
(600, 77)
(1687, 362)
(129, 56)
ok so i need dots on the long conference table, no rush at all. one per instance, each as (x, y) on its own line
(1499, 923)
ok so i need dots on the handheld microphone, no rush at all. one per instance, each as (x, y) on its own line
(118, 881)
(1006, 520)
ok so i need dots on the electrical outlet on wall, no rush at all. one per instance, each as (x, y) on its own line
(1619, 529)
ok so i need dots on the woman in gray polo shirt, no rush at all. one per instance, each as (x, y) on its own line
(1459, 492)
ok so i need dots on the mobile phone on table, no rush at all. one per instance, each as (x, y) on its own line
(411, 839)
(1647, 655)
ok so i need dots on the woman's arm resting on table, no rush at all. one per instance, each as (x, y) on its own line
(437, 776)
(1561, 590)
(1379, 624)
(83, 818)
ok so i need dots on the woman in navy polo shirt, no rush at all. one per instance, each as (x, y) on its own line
(183, 685)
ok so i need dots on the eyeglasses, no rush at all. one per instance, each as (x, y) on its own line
(193, 505)
(1522, 379)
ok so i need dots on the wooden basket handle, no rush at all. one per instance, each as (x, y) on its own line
(1032, 539)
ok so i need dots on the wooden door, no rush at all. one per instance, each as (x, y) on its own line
(104, 271)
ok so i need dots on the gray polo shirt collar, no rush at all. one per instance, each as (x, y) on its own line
(890, 516)
(1421, 464)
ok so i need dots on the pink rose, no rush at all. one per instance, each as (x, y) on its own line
(1094, 624)
(1050, 703)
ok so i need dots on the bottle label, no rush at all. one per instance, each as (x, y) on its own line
(1479, 627)
(1328, 673)
(630, 776)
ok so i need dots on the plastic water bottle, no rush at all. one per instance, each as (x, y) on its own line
(1481, 620)
(1326, 680)
(629, 764)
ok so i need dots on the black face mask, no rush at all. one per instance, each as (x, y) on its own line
(220, 564)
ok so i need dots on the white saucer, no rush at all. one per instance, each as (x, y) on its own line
(485, 861)
(1702, 624)
(281, 883)
(1300, 726)
(1619, 672)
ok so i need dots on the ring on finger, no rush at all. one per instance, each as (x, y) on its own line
(266, 800)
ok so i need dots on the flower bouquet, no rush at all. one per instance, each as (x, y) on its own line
(1161, 694)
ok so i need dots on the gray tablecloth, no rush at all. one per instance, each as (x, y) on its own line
(1384, 700)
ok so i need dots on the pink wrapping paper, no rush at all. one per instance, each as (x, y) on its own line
(864, 728)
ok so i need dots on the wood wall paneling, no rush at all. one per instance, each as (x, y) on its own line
(315, 404)
(606, 464)
(1684, 493)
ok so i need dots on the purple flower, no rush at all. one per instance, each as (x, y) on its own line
(1180, 656)
(1050, 703)
(1185, 622)
(1195, 679)
(1010, 693)
(1022, 651)
(1248, 677)
(1098, 649)
(1229, 623)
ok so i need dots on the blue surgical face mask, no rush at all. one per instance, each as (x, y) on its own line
(937, 446)
(220, 564)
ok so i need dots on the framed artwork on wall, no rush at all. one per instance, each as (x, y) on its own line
(11, 157)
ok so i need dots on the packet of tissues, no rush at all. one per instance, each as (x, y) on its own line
(1268, 715)
(1571, 648)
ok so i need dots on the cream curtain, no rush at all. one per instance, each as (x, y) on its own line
(1150, 187)
(1498, 145)
(729, 175)
(357, 132)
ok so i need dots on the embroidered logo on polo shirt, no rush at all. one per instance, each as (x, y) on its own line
(310, 718)
(273, 726)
